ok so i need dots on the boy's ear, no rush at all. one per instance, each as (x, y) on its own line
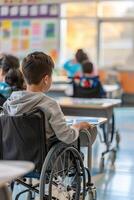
(45, 79)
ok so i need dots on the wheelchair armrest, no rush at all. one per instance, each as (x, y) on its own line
(87, 137)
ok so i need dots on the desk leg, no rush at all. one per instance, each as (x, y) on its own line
(4, 193)
(89, 160)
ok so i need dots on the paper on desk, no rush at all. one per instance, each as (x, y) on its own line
(84, 119)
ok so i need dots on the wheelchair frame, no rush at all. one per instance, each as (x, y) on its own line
(59, 155)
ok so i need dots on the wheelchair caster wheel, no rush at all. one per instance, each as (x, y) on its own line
(92, 194)
(101, 167)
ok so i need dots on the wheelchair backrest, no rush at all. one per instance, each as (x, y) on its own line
(84, 87)
(23, 137)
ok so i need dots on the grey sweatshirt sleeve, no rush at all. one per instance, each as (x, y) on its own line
(64, 132)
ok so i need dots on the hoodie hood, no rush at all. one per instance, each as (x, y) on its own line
(22, 101)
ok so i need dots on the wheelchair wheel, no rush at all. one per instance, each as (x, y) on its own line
(63, 175)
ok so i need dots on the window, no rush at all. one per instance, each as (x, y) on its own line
(78, 33)
(116, 9)
(88, 9)
(117, 44)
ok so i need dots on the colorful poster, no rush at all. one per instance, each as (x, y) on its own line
(36, 29)
(19, 36)
(7, 24)
(24, 44)
(15, 28)
(50, 30)
(6, 29)
(15, 45)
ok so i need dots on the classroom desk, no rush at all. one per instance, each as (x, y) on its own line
(60, 79)
(95, 108)
(9, 171)
(88, 107)
(91, 107)
(85, 137)
(87, 104)
(59, 90)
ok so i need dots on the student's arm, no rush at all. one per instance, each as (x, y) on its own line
(64, 132)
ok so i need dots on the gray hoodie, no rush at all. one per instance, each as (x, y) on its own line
(23, 101)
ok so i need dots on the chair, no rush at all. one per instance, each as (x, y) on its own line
(85, 87)
(60, 169)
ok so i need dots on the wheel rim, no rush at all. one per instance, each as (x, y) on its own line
(65, 180)
(47, 173)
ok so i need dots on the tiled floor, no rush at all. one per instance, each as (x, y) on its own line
(118, 184)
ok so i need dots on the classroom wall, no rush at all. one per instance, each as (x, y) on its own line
(28, 28)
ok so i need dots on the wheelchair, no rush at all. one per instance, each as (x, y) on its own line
(59, 168)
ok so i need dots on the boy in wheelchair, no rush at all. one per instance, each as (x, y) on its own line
(37, 69)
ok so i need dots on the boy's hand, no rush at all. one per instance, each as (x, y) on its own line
(82, 125)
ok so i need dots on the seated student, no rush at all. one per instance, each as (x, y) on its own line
(81, 57)
(9, 69)
(37, 69)
(86, 86)
(73, 66)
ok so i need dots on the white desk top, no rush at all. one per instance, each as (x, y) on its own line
(10, 170)
(58, 87)
(92, 120)
(70, 102)
(60, 79)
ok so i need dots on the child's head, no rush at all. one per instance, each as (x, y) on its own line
(87, 67)
(37, 69)
(15, 79)
(7, 62)
(81, 55)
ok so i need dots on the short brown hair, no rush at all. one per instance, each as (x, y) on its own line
(87, 67)
(35, 66)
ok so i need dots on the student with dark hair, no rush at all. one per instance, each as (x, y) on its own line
(10, 77)
(14, 79)
(37, 69)
(74, 66)
(7, 62)
(81, 56)
(85, 85)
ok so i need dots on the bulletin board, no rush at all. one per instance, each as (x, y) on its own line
(24, 29)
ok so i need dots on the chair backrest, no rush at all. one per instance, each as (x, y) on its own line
(23, 137)
(87, 87)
